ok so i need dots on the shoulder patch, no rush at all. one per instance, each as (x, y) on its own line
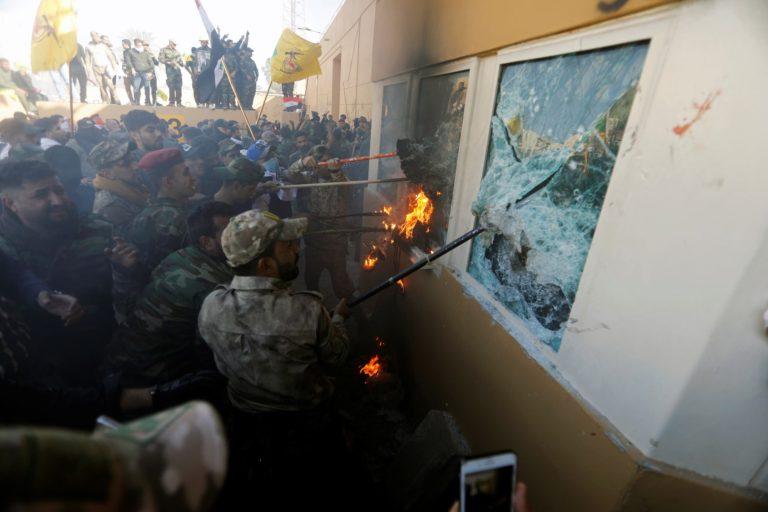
(310, 293)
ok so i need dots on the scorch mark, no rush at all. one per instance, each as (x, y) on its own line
(681, 129)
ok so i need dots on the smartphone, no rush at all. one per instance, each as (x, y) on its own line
(488, 482)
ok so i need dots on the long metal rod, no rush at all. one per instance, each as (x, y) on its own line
(342, 183)
(363, 158)
(416, 266)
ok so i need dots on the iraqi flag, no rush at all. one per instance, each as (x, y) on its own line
(209, 78)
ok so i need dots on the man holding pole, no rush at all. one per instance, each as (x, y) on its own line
(325, 207)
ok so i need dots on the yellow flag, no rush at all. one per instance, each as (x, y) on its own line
(54, 36)
(295, 58)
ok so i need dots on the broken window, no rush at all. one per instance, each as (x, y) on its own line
(439, 118)
(394, 113)
(555, 135)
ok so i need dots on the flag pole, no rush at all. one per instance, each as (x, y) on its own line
(263, 103)
(71, 101)
(237, 97)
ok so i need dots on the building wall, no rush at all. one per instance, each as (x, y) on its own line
(666, 353)
(351, 36)
(412, 35)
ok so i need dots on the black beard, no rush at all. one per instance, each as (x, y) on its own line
(288, 272)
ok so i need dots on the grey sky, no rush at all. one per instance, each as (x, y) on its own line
(164, 19)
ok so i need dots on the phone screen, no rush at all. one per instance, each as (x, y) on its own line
(489, 488)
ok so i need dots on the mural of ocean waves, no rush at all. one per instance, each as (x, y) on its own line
(555, 134)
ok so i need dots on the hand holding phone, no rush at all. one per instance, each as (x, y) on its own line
(488, 483)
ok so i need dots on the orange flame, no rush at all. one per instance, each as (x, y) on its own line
(401, 284)
(387, 210)
(373, 258)
(421, 210)
(372, 368)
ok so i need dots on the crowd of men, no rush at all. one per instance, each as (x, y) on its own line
(134, 67)
(143, 266)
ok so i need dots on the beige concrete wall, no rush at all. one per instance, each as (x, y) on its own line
(680, 369)
(411, 35)
(191, 116)
(351, 36)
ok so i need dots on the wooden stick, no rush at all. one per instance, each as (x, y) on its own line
(71, 102)
(264, 103)
(342, 183)
(237, 97)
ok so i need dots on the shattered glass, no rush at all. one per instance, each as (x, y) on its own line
(439, 119)
(555, 133)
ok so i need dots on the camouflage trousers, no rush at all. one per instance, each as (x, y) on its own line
(174, 82)
(247, 92)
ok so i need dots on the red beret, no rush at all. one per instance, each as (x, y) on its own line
(161, 159)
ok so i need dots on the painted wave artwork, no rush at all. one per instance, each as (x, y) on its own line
(555, 136)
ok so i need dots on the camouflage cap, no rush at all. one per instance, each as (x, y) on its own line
(177, 459)
(109, 152)
(241, 170)
(173, 460)
(251, 233)
(228, 145)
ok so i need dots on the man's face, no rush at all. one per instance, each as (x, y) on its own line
(204, 44)
(286, 256)
(229, 156)
(95, 37)
(148, 137)
(302, 143)
(180, 184)
(41, 205)
(126, 170)
(5, 65)
(212, 246)
(59, 134)
(196, 167)
(138, 45)
(126, 45)
(106, 41)
(171, 45)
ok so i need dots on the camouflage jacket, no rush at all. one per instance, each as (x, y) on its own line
(272, 344)
(73, 263)
(159, 341)
(116, 210)
(170, 57)
(158, 230)
(321, 204)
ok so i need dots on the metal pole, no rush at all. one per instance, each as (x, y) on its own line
(416, 266)
(237, 97)
(341, 183)
(264, 103)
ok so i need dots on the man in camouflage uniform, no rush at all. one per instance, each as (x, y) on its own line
(120, 195)
(242, 184)
(247, 77)
(269, 341)
(276, 347)
(229, 151)
(159, 342)
(161, 227)
(40, 228)
(175, 460)
(225, 94)
(173, 65)
(324, 206)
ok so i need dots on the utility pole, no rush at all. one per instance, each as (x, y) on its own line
(293, 14)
